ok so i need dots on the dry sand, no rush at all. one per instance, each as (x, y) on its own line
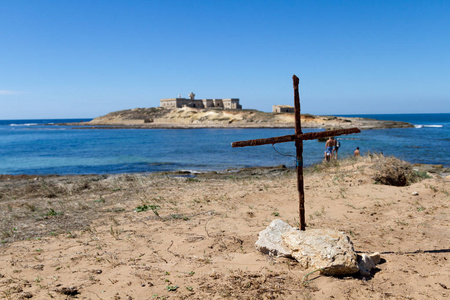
(81, 237)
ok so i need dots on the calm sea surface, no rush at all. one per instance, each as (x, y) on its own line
(30, 147)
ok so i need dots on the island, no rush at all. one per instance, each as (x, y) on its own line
(189, 117)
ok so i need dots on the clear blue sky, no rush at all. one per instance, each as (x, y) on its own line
(63, 59)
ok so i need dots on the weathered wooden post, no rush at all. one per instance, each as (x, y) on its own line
(298, 138)
(299, 154)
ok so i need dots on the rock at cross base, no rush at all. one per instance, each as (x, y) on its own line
(325, 249)
(269, 240)
(367, 262)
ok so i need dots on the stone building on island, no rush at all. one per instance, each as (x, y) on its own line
(231, 103)
(277, 109)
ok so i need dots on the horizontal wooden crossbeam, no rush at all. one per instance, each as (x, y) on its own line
(293, 137)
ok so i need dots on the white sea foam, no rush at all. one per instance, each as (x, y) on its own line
(431, 126)
(192, 171)
(26, 124)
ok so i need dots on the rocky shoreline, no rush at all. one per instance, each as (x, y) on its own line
(191, 118)
(438, 170)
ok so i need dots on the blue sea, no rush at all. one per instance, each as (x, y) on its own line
(33, 147)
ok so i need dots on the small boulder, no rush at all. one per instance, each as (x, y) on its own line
(325, 249)
(270, 242)
(367, 262)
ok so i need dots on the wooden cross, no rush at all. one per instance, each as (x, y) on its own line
(298, 138)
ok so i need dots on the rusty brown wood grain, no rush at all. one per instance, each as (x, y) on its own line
(291, 138)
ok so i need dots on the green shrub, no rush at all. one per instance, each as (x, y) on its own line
(422, 174)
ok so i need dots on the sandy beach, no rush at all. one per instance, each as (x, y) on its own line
(162, 236)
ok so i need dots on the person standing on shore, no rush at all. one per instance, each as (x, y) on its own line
(329, 148)
(337, 144)
(356, 153)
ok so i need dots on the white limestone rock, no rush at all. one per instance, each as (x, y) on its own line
(325, 249)
(270, 242)
(367, 262)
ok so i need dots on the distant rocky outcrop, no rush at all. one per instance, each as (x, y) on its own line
(188, 117)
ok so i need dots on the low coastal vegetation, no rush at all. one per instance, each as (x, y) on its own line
(396, 172)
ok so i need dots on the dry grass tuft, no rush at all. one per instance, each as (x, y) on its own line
(394, 171)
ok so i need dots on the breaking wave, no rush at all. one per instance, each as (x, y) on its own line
(26, 124)
(425, 126)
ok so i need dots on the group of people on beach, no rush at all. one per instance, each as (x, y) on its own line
(332, 147)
